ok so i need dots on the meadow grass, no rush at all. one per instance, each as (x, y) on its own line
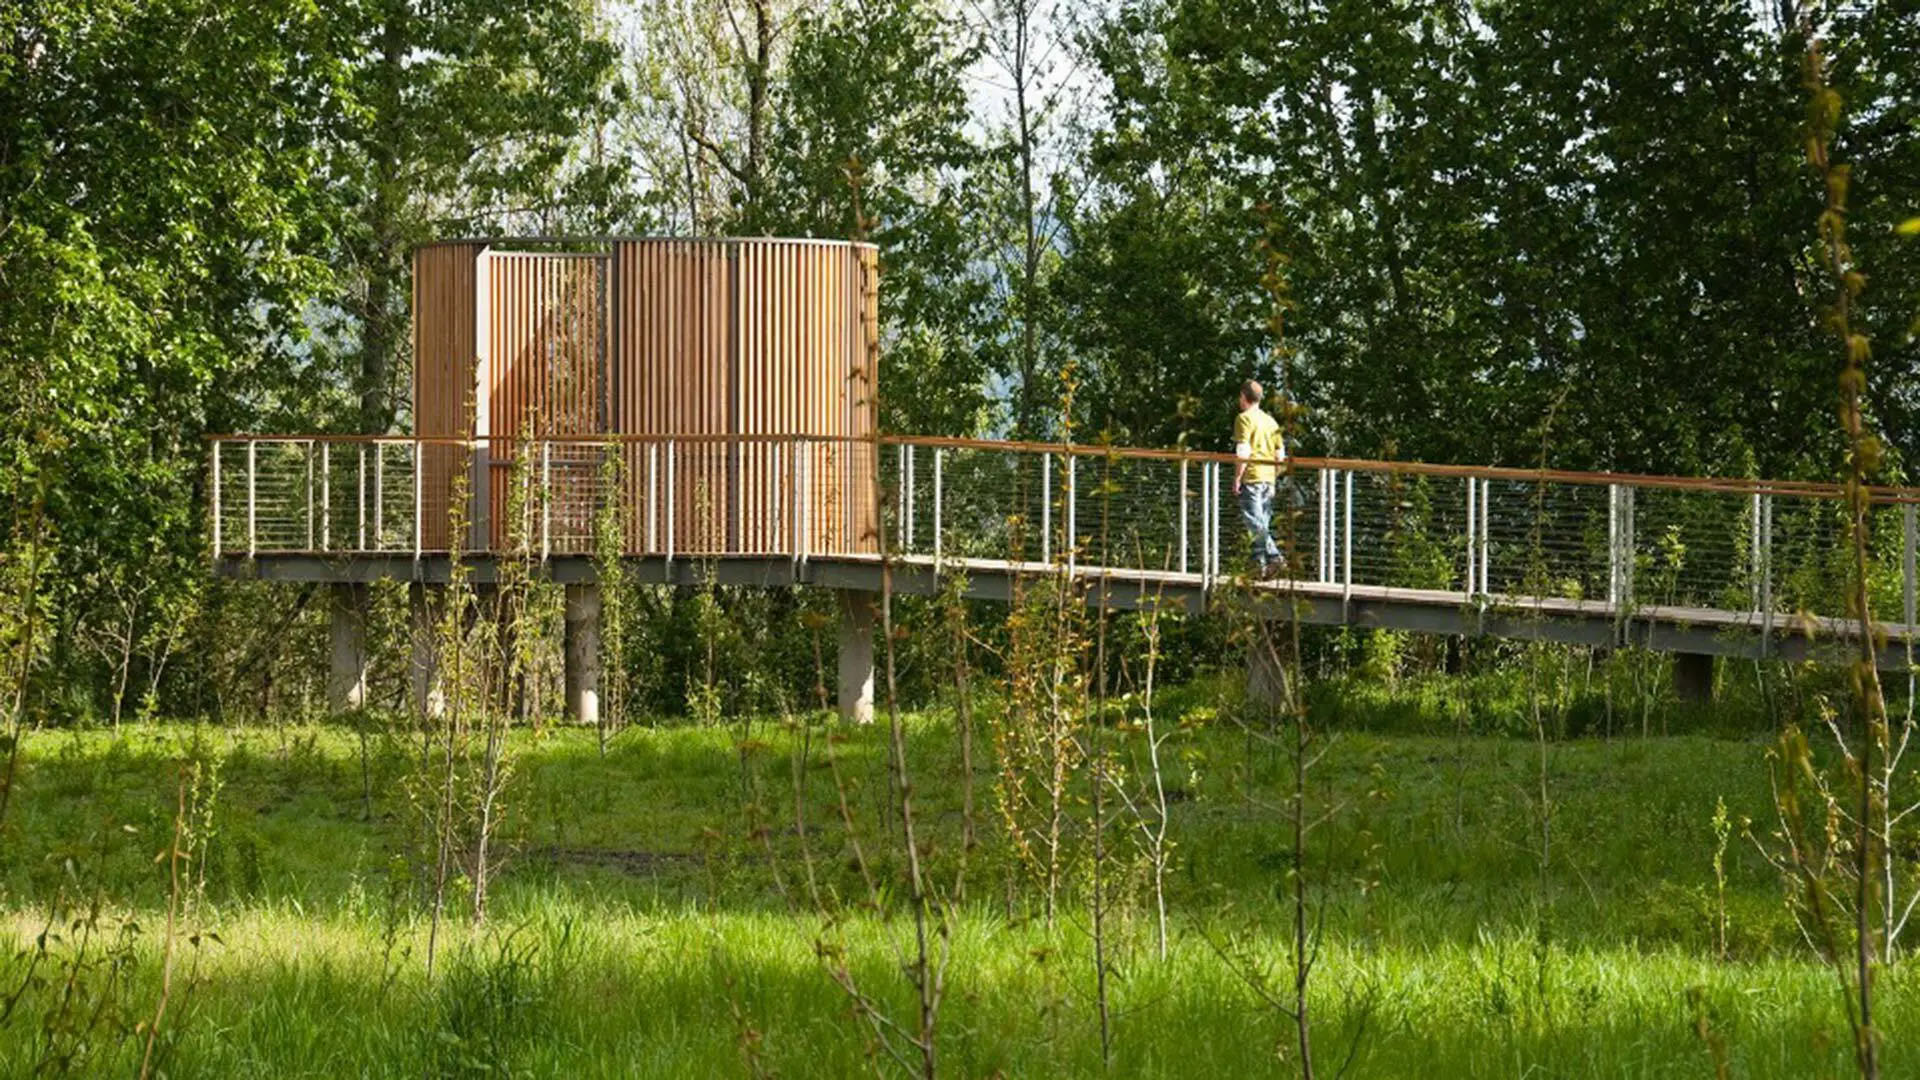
(641, 928)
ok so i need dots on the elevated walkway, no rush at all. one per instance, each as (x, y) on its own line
(1699, 566)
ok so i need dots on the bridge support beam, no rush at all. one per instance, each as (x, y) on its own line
(856, 656)
(347, 660)
(582, 647)
(425, 605)
(1693, 676)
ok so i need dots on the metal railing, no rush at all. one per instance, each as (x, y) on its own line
(1619, 542)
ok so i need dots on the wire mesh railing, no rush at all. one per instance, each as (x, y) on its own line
(1609, 542)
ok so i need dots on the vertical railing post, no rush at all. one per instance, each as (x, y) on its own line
(938, 458)
(1206, 525)
(669, 515)
(1486, 531)
(217, 525)
(1046, 507)
(253, 474)
(1322, 543)
(1333, 526)
(1473, 533)
(653, 497)
(379, 495)
(1320, 527)
(1216, 545)
(1183, 515)
(1753, 550)
(1613, 548)
(360, 498)
(419, 501)
(326, 496)
(546, 500)
(1210, 558)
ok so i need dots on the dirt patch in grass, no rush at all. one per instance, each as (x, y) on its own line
(631, 861)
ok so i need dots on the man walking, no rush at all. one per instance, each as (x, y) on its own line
(1259, 446)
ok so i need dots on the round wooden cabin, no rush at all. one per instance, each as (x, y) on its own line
(731, 379)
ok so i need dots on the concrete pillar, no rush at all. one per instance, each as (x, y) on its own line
(582, 647)
(1266, 676)
(856, 656)
(347, 647)
(1693, 676)
(425, 604)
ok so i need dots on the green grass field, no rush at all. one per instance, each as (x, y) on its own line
(651, 917)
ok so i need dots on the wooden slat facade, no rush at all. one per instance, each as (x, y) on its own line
(663, 337)
(444, 327)
(547, 374)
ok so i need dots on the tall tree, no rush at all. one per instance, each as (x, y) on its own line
(157, 207)
(708, 72)
(452, 119)
(879, 83)
(1030, 64)
(1490, 207)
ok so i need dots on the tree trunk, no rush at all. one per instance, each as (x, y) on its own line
(386, 262)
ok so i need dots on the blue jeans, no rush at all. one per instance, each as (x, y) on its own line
(1256, 509)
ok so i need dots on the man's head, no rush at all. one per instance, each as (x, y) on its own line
(1250, 395)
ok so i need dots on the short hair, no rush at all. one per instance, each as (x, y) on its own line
(1250, 391)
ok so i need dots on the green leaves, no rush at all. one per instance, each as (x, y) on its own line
(206, 209)
(1487, 206)
(880, 83)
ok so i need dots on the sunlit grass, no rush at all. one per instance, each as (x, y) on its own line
(638, 931)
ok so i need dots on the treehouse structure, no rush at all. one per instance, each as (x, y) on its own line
(743, 367)
(679, 403)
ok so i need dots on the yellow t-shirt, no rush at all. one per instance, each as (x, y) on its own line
(1257, 441)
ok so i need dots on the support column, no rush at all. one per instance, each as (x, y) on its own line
(1693, 676)
(347, 647)
(856, 656)
(425, 603)
(1266, 676)
(582, 648)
